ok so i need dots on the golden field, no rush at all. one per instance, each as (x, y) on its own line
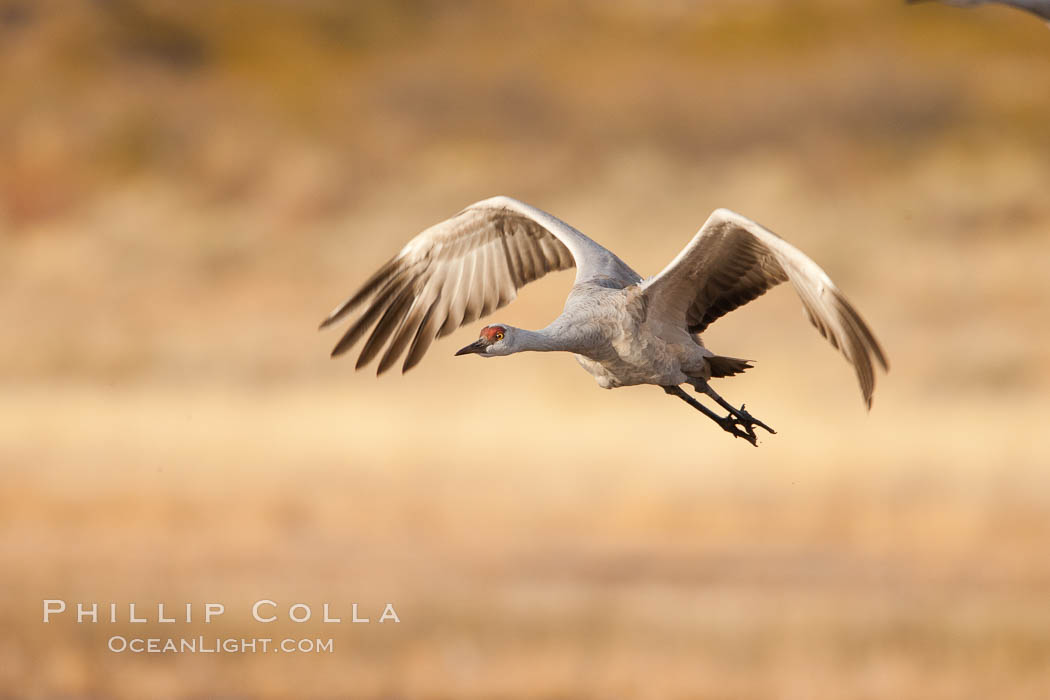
(186, 191)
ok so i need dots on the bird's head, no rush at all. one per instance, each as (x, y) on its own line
(494, 340)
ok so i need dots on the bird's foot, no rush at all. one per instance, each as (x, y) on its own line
(740, 423)
(732, 425)
(750, 421)
(739, 418)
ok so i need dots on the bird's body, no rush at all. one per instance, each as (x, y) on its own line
(1040, 8)
(622, 329)
(614, 339)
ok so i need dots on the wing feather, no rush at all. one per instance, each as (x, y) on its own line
(457, 300)
(428, 330)
(378, 306)
(392, 317)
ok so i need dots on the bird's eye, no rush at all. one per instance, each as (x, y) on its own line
(499, 337)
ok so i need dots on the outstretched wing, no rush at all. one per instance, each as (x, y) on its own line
(460, 270)
(733, 260)
(1036, 7)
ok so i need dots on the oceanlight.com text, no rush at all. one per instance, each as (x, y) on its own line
(119, 644)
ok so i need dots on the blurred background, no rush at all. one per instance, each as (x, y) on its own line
(186, 189)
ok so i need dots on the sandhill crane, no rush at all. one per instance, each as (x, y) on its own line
(622, 329)
(1036, 7)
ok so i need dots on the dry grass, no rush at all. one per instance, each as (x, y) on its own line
(180, 203)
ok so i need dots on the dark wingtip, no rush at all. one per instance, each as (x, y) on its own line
(341, 347)
(881, 357)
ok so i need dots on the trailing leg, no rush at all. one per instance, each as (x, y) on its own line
(730, 423)
(745, 419)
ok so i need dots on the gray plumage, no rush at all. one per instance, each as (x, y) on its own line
(622, 329)
(1040, 8)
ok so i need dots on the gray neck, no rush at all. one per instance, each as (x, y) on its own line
(553, 338)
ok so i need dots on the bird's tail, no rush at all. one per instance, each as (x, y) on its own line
(727, 366)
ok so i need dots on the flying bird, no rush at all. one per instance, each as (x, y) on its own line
(1036, 7)
(623, 329)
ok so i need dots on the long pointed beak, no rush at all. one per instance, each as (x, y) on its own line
(475, 347)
